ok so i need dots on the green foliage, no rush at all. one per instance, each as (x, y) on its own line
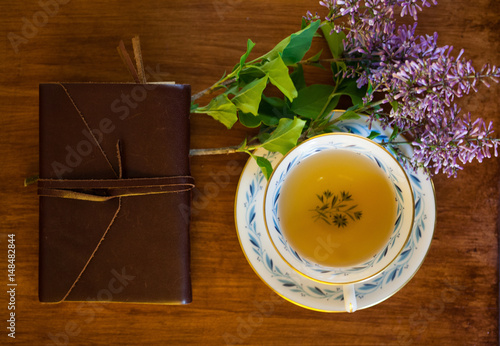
(394, 134)
(294, 47)
(264, 164)
(348, 87)
(248, 99)
(373, 135)
(301, 112)
(279, 75)
(285, 136)
(299, 44)
(333, 39)
(298, 78)
(315, 100)
(395, 105)
(249, 120)
(348, 115)
(244, 57)
(221, 109)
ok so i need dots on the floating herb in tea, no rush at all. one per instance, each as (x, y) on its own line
(336, 210)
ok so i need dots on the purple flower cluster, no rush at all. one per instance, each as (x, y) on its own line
(447, 142)
(418, 79)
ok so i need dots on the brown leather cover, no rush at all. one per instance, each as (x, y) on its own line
(144, 255)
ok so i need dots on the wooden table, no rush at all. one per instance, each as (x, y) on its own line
(194, 42)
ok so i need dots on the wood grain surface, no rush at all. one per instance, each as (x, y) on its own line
(194, 42)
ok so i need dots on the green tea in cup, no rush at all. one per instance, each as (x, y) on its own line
(337, 208)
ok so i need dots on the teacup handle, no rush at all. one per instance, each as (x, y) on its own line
(350, 302)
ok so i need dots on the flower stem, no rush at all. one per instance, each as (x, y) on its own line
(371, 105)
(214, 151)
(212, 88)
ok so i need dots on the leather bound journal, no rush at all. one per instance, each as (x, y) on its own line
(115, 192)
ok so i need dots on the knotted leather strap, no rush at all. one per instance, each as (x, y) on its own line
(101, 190)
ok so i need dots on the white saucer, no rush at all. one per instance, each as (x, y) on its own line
(282, 279)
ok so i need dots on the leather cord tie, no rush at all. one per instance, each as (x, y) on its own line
(101, 190)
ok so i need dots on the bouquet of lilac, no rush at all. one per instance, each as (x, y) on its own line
(402, 80)
(418, 78)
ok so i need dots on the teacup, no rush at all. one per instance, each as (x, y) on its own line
(339, 210)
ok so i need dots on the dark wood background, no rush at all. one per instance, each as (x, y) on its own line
(194, 42)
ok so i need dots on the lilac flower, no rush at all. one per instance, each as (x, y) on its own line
(419, 80)
(411, 7)
(445, 143)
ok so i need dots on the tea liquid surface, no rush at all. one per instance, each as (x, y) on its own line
(337, 208)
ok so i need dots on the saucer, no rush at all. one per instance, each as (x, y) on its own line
(310, 294)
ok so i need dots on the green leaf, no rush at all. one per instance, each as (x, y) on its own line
(373, 135)
(395, 105)
(297, 77)
(248, 98)
(278, 75)
(354, 107)
(267, 116)
(274, 101)
(350, 88)
(333, 39)
(264, 164)
(285, 136)
(243, 145)
(316, 57)
(337, 67)
(263, 136)
(313, 99)
(249, 120)
(348, 115)
(334, 128)
(276, 51)
(269, 120)
(248, 74)
(394, 134)
(272, 109)
(299, 44)
(299, 40)
(221, 109)
(244, 57)
(232, 90)
(304, 23)
(315, 60)
(370, 88)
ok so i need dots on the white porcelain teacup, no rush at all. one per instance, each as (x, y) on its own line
(339, 209)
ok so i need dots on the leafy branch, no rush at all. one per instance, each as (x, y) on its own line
(302, 112)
